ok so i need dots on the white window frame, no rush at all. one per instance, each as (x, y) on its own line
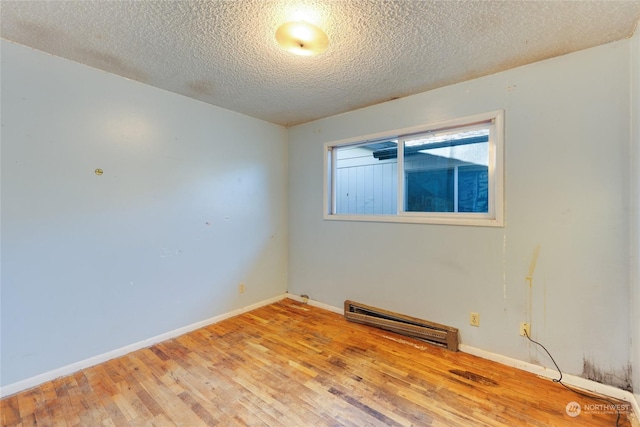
(493, 218)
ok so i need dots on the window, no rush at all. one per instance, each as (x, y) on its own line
(448, 173)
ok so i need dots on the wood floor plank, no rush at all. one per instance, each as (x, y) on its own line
(290, 364)
(78, 404)
(62, 386)
(9, 411)
(27, 402)
(157, 382)
(54, 414)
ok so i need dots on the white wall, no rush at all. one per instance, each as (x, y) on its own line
(567, 219)
(634, 47)
(192, 202)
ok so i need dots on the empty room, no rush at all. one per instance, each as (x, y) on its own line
(320, 213)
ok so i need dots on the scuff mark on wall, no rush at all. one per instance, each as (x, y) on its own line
(533, 263)
(544, 306)
(617, 378)
(504, 267)
(529, 281)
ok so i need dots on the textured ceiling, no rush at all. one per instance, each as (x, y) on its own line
(224, 52)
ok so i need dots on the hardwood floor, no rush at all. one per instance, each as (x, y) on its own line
(290, 364)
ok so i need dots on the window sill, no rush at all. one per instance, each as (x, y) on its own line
(458, 219)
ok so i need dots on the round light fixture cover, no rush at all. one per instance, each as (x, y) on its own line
(302, 38)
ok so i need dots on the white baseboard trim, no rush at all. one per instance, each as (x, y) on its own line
(86, 363)
(316, 304)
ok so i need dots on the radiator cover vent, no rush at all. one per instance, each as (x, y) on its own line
(433, 333)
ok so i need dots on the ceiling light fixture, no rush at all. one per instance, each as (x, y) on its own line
(302, 38)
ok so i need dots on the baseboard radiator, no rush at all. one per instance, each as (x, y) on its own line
(433, 333)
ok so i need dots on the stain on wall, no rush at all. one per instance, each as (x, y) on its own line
(617, 378)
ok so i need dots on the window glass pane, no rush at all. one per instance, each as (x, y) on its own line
(430, 191)
(473, 189)
(366, 179)
(447, 171)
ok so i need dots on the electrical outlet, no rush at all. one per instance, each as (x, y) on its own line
(241, 288)
(524, 326)
(474, 319)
